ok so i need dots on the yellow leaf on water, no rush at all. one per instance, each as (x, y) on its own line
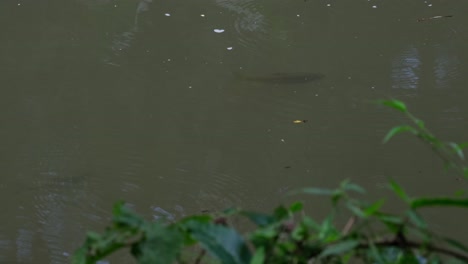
(299, 121)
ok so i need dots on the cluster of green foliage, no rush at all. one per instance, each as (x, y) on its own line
(287, 235)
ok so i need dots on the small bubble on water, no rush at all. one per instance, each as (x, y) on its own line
(374, 6)
(229, 48)
(167, 14)
(328, 4)
(202, 15)
(218, 30)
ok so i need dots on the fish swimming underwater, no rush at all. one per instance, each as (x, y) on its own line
(282, 77)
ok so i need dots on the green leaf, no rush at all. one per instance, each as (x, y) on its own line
(395, 104)
(258, 218)
(328, 233)
(408, 257)
(419, 123)
(347, 186)
(310, 223)
(280, 213)
(222, 242)
(356, 210)
(296, 207)
(463, 145)
(457, 149)
(259, 256)
(123, 217)
(339, 248)
(373, 208)
(375, 253)
(392, 222)
(397, 130)
(160, 245)
(416, 219)
(399, 191)
(443, 201)
(316, 191)
(456, 244)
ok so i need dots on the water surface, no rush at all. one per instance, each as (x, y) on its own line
(138, 100)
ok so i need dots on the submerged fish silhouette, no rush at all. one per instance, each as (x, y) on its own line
(282, 77)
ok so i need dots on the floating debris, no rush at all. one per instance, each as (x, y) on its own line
(432, 18)
(299, 121)
(218, 30)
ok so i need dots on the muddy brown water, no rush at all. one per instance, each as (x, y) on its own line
(106, 100)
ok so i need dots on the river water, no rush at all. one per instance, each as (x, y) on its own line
(179, 107)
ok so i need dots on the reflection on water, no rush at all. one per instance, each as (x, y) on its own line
(250, 24)
(445, 67)
(406, 69)
(122, 41)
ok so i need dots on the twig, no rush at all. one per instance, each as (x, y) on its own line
(348, 225)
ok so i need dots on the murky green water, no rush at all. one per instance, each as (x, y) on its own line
(183, 106)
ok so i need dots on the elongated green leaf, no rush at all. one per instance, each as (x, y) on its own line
(408, 258)
(397, 130)
(258, 218)
(395, 104)
(356, 210)
(222, 242)
(419, 123)
(457, 149)
(416, 219)
(373, 208)
(375, 253)
(399, 191)
(456, 244)
(443, 201)
(317, 191)
(347, 186)
(259, 256)
(328, 232)
(339, 248)
(392, 222)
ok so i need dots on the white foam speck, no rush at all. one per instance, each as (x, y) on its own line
(217, 30)
(229, 48)
(167, 14)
